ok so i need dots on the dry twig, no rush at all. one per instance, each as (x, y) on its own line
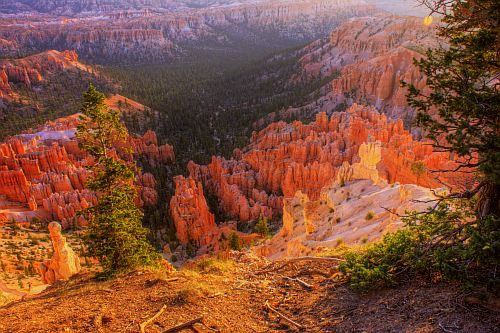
(150, 320)
(282, 316)
(301, 282)
(187, 324)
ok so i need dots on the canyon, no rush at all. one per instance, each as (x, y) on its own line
(43, 172)
(322, 170)
(107, 32)
(369, 56)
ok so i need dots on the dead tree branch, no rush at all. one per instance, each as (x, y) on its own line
(185, 325)
(282, 316)
(150, 320)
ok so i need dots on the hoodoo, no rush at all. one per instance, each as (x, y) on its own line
(64, 263)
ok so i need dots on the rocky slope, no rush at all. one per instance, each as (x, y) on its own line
(41, 87)
(105, 37)
(357, 207)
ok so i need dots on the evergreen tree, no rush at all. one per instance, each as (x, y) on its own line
(462, 112)
(115, 234)
(262, 228)
(418, 169)
(235, 242)
(458, 238)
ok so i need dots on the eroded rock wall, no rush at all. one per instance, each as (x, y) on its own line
(288, 157)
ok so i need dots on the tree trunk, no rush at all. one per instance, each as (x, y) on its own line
(488, 201)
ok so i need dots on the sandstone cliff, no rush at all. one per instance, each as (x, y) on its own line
(31, 71)
(369, 56)
(363, 38)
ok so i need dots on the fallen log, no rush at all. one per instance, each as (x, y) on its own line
(184, 325)
(282, 316)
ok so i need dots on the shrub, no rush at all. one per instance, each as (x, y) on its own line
(444, 242)
(262, 228)
(369, 216)
(235, 242)
(214, 265)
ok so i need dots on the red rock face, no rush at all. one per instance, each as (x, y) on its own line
(378, 81)
(31, 70)
(189, 210)
(284, 158)
(195, 224)
(364, 38)
(371, 56)
(147, 145)
(45, 171)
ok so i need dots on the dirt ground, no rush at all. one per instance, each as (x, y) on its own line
(240, 296)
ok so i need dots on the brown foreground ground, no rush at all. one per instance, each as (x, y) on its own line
(231, 296)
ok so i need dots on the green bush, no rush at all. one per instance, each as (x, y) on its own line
(262, 228)
(444, 243)
(235, 242)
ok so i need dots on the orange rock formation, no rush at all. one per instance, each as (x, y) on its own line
(45, 170)
(31, 70)
(285, 158)
(64, 263)
(189, 210)
(371, 56)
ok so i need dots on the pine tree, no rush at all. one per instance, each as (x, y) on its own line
(115, 234)
(262, 228)
(235, 242)
(462, 112)
(418, 169)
